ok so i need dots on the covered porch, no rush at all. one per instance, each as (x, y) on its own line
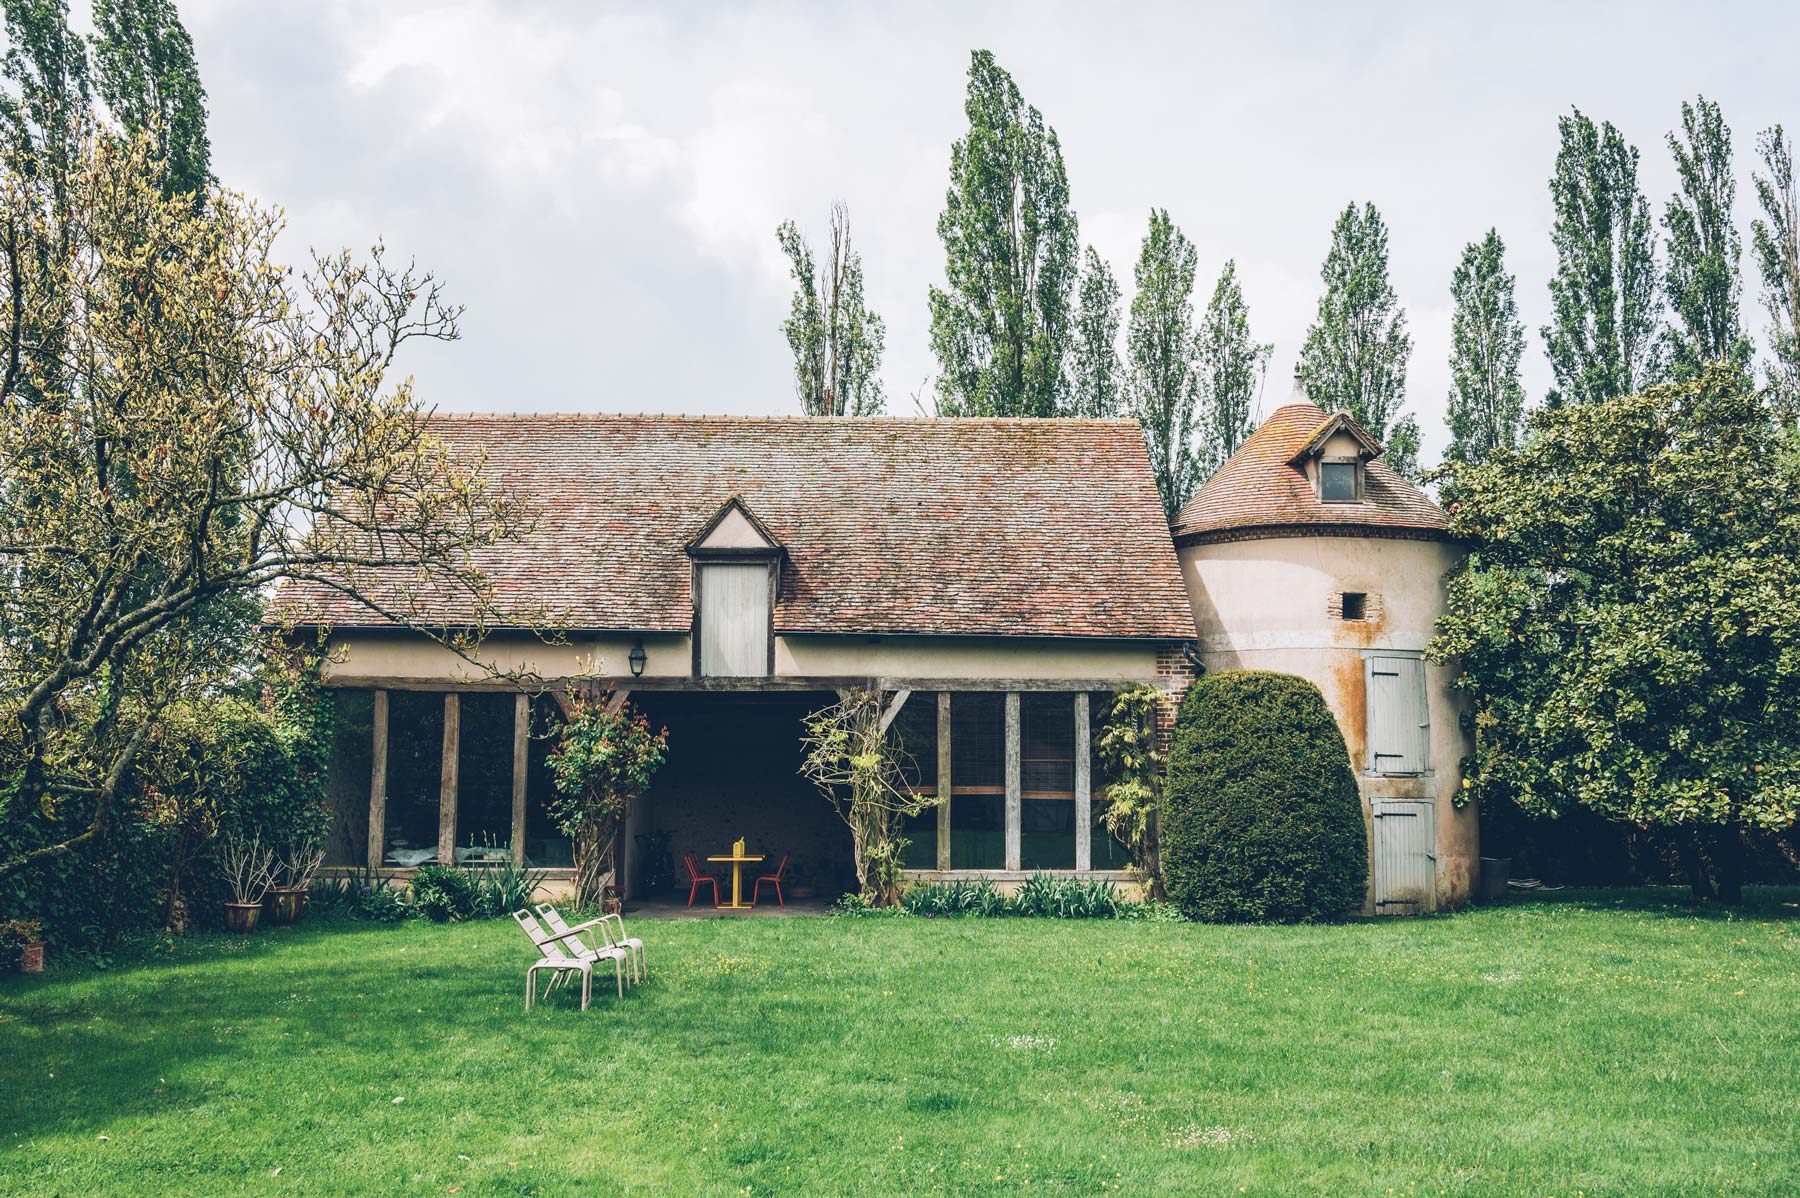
(458, 773)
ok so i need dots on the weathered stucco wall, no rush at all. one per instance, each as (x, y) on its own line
(1272, 604)
(364, 658)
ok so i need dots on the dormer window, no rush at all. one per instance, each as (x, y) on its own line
(736, 576)
(1338, 481)
(1334, 458)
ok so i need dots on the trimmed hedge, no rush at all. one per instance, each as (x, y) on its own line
(1262, 822)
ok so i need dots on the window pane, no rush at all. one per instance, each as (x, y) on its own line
(1337, 481)
(977, 742)
(914, 730)
(414, 775)
(1106, 850)
(1047, 744)
(1047, 834)
(484, 776)
(977, 831)
(347, 783)
(545, 846)
(921, 840)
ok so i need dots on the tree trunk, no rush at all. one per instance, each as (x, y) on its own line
(1695, 862)
(1726, 852)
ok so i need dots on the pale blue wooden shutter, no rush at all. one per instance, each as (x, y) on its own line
(1399, 725)
(1405, 866)
(734, 620)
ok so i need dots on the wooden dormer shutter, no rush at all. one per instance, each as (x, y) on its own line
(734, 619)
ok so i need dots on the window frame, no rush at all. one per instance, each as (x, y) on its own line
(771, 559)
(1356, 479)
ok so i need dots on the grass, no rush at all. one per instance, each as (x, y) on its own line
(1602, 1044)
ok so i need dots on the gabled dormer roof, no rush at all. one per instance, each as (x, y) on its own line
(1368, 448)
(1265, 489)
(733, 529)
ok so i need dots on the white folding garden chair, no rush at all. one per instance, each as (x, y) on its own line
(563, 954)
(631, 944)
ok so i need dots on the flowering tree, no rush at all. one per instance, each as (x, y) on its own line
(185, 423)
(1128, 756)
(860, 768)
(604, 759)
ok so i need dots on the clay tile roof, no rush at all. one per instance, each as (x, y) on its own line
(1263, 487)
(913, 526)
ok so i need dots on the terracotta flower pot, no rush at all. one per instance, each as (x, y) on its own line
(284, 904)
(241, 917)
(31, 957)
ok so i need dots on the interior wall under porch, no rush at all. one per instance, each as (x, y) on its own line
(733, 770)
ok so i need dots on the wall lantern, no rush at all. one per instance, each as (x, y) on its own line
(637, 659)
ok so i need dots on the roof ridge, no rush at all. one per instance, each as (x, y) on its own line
(788, 418)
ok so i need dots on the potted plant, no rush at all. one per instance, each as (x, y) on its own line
(22, 945)
(286, 902)
(248, 866)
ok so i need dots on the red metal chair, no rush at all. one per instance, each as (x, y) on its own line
(698, 878)
(774, 879)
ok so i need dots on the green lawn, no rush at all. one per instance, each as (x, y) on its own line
(1597, 1045)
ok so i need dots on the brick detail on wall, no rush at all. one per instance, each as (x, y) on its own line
(1372, 609)
(1175, 675)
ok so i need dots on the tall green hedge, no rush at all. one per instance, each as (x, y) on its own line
(1261, 821)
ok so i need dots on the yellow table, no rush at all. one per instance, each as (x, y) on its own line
(737, 878)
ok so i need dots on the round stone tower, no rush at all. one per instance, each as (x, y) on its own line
(1306, 554)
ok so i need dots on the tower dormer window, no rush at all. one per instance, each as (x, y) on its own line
(1338, 481)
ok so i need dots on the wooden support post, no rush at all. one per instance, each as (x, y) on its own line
(521, 769)
(893, 709)
(447, 778)
(943, 779)
(617, 701)
(378, 783)
(1084, 797)
(1015, 813)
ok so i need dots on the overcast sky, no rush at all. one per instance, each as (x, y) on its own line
(600, 184)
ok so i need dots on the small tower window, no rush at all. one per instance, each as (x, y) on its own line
(1355, 605)
(1337, 482)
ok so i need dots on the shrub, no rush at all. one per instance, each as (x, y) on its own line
(15, 935)
(502, 888)
(442, 893)
(978, 897)
(1262, 821)
(1066, 898)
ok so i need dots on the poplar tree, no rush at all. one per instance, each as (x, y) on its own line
(836, 339)
(1232, 366)
(1775, 242)
(1160, 347)
(1095, 376)
(1487, 340)
(1602, 341)
(1000, 328)
(1703, 247)
(1357, 349)
(145, 71)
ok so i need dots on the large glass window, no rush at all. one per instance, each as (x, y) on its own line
(347, 783)
(545, 845)
(484, 769)
(977, 781)
(914, 730)
(1047, 781)
(414, 775)
(1337, 482)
